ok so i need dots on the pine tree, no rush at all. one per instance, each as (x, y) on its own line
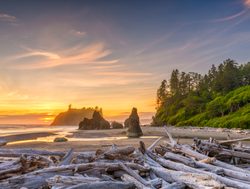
(161, 93)
(174, 82)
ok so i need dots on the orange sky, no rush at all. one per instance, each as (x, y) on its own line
(39, 110)
(108, 54)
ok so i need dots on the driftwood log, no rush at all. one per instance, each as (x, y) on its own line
(205, 164)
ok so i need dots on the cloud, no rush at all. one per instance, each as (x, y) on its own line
(123, 73)
(231, 17)
(7, 18)
(32, 53)
(90, 54)
(246, 4)
(78, 33)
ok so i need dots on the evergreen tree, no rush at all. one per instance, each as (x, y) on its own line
(174, 82)
(195, 99)
(161, 93)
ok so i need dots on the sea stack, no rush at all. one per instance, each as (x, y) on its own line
(97, 122)
(134, 129)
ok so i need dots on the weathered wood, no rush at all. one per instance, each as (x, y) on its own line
(29, 180)
(218, 149)
(119, 153)
(176, 157)
(67, 158)
(104, 185)
(66, 181)
(172, 141)
(175, 185)
(166, 166)
(208, 167)
(155, 143)
(234, 140)
(136, 176)
(23, 165)
(192, 180)
(181, 167)
(188, 151)
(130, 179)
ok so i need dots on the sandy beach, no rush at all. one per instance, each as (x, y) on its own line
(42, 137)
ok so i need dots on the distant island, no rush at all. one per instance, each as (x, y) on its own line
(220, 98)
(74, 116)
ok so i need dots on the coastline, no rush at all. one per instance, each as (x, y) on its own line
(93, 139)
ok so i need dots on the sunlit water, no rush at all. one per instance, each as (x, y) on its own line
(6, 130)
(58, 131)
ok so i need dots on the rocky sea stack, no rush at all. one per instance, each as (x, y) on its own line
(116, 125)
(97, 122)
(134, 129)
(72, 116)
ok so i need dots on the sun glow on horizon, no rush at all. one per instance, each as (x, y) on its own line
(45, 113)
(96, 54)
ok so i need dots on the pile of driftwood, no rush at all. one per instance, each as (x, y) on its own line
(205, 164)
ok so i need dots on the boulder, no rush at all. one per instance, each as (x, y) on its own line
(60, 139)
(116, 125)
(97, 122)
(86, 124)
(134, 129)
(104, 125)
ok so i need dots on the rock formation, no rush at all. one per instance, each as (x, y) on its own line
(72, 116)
(116, 125)
(126, 123)
(134, 129)
(97, 122)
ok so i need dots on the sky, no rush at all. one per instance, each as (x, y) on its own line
(112, 54)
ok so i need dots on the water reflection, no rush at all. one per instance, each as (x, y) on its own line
(74, 139)
(57, 131)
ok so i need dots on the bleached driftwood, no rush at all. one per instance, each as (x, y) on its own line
(67, 158)
(234, 140)
(171, 166)
(104, 185)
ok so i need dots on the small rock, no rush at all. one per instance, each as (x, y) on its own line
(60, 139)
(97, 122)
(116, 125)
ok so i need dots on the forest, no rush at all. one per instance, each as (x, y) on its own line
(220, 98)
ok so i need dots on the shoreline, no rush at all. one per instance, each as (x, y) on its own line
(94, 139)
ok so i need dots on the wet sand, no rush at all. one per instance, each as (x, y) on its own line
(93, 139)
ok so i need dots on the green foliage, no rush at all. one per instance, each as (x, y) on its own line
(162, 93)
(239, 119)
(216, 107)
(220, 98)
(180, 116)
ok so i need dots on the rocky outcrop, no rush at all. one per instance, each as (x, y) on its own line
(126, 123)
(134, 129)
(97, 122)
(72, 116)
(116, 125)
